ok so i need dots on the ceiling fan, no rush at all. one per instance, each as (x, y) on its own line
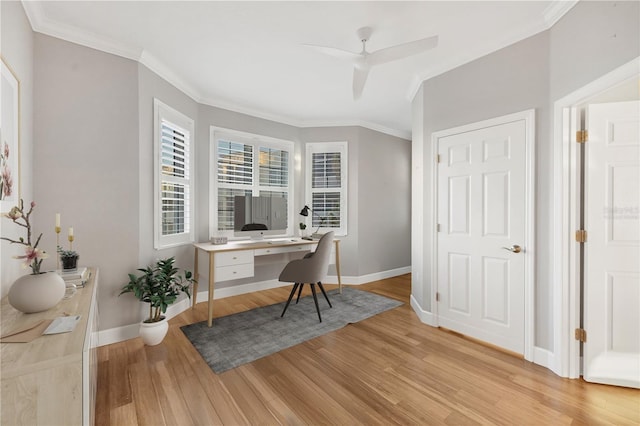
(364, 61)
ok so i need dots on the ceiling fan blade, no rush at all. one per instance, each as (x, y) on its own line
(332, 51)
(359, 79)
(402, 50)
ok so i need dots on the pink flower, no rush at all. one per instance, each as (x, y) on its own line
(7, 188)
(32, 255)
(6, 150)
(14, 213)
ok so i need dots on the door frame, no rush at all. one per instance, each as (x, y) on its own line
(529, 240)
(566, 360)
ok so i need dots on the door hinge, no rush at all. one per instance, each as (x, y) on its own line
(582, 136)
(581, 335)
(438, 158)
(437, 296)
(581, 236)
(438, 228)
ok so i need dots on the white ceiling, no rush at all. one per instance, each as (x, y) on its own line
(249, 56)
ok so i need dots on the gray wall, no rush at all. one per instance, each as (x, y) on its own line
(379, 193)
(384, 186)
(86, 162)
(591, 40)
(16, 46)
(92, 163)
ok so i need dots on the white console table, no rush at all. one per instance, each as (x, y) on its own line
(52, 379)
(235, 260)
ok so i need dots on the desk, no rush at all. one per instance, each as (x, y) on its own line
(235, 260)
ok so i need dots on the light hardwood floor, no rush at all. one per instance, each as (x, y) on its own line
(389, 369)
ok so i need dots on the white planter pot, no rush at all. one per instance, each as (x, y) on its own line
(153, 333)
(36, 293)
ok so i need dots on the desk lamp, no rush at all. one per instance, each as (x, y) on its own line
(305, 212)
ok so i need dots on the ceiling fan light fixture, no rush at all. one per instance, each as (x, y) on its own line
(364, 61)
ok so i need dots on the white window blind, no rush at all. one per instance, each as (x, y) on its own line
(247, 165)
(327, 186)
(173, 205)
(175, 178)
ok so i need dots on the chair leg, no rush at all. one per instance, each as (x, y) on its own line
(315, 299)
(299, 291)
(325, 294)
(293, 290)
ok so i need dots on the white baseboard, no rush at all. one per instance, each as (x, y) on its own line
(546, 358)
(376, 276)
(424, 316)
(131, 331)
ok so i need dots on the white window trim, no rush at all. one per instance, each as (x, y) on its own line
(215, 133)
(162, 111)
(323, 147)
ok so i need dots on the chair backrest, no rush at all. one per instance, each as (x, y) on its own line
(313, 267)
(323, 255)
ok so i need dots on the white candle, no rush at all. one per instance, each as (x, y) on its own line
(57, 220)
(71, 232)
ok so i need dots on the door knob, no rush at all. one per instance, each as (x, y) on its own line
(514, 248)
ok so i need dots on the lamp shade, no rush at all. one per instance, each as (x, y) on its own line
(305, 211)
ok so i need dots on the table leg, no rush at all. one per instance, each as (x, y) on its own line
(197, 277)
(211, 286)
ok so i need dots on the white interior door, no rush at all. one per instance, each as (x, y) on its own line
(481, 240)
(612, 250)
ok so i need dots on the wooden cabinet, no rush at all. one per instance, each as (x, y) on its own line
(51, 380)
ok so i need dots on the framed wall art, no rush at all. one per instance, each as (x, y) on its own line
(9, 138)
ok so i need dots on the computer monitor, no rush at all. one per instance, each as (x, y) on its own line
(256, 217)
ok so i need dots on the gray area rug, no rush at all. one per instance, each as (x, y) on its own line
(246, 336)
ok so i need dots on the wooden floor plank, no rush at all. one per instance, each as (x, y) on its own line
(388, 369)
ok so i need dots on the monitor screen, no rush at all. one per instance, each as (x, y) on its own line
(259, 216)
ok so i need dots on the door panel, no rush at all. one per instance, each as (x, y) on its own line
(481, 209)
(612, 250)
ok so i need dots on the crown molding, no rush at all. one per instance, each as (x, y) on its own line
(240, 109)
(556, 10)
(42, 24)
(165, 72)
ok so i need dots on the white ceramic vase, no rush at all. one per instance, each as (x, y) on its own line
(36, 293)
(153, 333)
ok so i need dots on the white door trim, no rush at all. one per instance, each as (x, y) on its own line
(529, 117)
(566, 296)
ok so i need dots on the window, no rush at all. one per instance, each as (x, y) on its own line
(326, 177)
(173, 184)
(245, 164)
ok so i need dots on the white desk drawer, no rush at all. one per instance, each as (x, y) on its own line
(286, 249)
(233, 272)
(233, 258)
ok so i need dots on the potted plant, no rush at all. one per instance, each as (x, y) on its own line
(159, 286)
(69, 259)
(37, 291)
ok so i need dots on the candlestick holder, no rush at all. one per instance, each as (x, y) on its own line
(58, 229)
(70, 242)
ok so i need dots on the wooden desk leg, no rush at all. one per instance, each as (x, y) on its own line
(211, 286)
(338, 266)
(197, 277)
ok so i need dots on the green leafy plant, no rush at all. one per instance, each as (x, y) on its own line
(303, 226)
(159, 285)
(64, 254)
